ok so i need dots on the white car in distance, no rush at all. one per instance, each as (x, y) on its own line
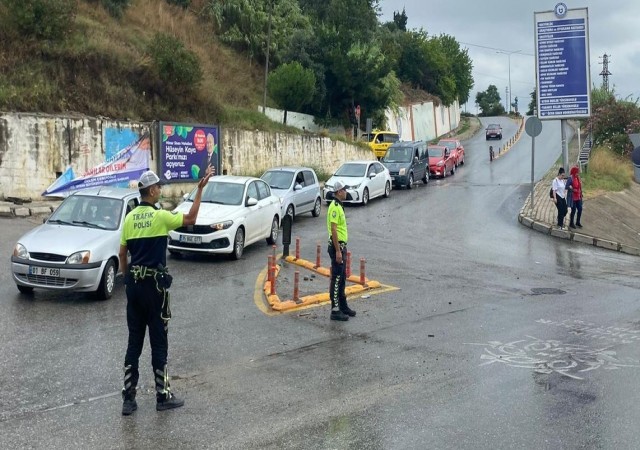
(364, 180)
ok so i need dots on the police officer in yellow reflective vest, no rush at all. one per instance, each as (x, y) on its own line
(337, 227)
(147, 282)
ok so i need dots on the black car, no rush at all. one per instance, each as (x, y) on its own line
(493, 131)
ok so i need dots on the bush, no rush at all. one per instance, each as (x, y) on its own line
(607, 171)
(184, 3)
(177, 67)
(41, 19)
(116, 7)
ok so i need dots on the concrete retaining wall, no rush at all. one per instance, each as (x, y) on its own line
(35, 149)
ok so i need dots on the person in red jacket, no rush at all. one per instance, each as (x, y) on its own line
(574, 185)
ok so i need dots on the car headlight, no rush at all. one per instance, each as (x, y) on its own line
(222, 225)
(281, 201)
(357, 186)
(81, 257)
(402, 171)
(440, 163)
(20, 251)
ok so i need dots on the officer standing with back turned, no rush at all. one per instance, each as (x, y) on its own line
(147, 281)
(337, 227)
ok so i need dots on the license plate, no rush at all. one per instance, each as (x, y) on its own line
(190, 239)
(44, 271)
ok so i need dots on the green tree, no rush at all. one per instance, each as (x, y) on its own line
(400, 20)
(292, 87)
(244, 24)
(533, 102)
(460, 66)
(40, 19)
(177, 67)
(489, 102)
(611, 120)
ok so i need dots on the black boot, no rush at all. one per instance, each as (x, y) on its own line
(164, 397)
(342, 304)
(336, 314)
(129, 404)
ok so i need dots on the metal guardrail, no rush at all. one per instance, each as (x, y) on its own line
(585, 152)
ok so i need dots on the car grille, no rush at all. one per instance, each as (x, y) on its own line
(195, 229)
(52, 257)
(42, 280)
(216, 243)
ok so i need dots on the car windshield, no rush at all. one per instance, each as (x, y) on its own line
(450, 145)
(435, 153)
(88, 211)
(352, 170)
(221, 193)
(278, 179)
(493, 126)
(398, 154)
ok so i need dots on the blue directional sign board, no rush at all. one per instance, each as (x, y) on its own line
(562, 63)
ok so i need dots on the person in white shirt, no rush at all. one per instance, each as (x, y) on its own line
(560, 196)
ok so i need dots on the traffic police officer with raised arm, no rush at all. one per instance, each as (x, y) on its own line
(337, 228)
(147, 282)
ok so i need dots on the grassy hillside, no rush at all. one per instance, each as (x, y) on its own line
(103, 67)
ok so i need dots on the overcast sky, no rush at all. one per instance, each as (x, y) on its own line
(485, 26)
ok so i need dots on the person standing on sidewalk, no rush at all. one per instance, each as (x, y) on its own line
(560, 196)
(337, 228)
(574, 186)
(147, 281)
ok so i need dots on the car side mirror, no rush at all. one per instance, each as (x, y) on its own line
(297, 187)
(185, 196)
(251, 202)
(372, 175)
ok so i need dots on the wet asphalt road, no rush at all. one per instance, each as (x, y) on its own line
(498, 337)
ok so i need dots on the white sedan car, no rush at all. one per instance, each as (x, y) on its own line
(364, 180)
(234, 212)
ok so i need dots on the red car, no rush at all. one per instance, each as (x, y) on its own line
(440, 161)
(456, 149)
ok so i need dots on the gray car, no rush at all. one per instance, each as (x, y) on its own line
(76, 248)
(407, 162)
(298, 189)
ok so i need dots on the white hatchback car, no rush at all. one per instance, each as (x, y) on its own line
(76, 249)
(235, 212)
(364, 180)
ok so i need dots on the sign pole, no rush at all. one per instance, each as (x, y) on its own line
(533, 152)
(565, 150)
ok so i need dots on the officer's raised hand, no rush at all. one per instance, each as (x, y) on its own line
(205, 179)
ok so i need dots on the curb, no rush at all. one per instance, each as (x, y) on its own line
(511, 142)
(550, 230)
(8, 209)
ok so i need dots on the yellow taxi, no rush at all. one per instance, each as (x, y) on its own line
(380, 141)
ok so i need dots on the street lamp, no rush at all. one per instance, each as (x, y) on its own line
(509, 58)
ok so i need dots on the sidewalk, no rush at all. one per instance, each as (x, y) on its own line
(610, 220)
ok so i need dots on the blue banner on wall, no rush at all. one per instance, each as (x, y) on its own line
(186, 151)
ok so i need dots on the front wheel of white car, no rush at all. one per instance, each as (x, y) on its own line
(108, 281)
(387, 190)
(273, 236)
(238, 245)
(27, 290)
(365, 196)
(317, 208)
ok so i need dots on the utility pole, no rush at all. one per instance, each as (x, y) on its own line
(506, 98)
(266, 63)
(605, 72)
